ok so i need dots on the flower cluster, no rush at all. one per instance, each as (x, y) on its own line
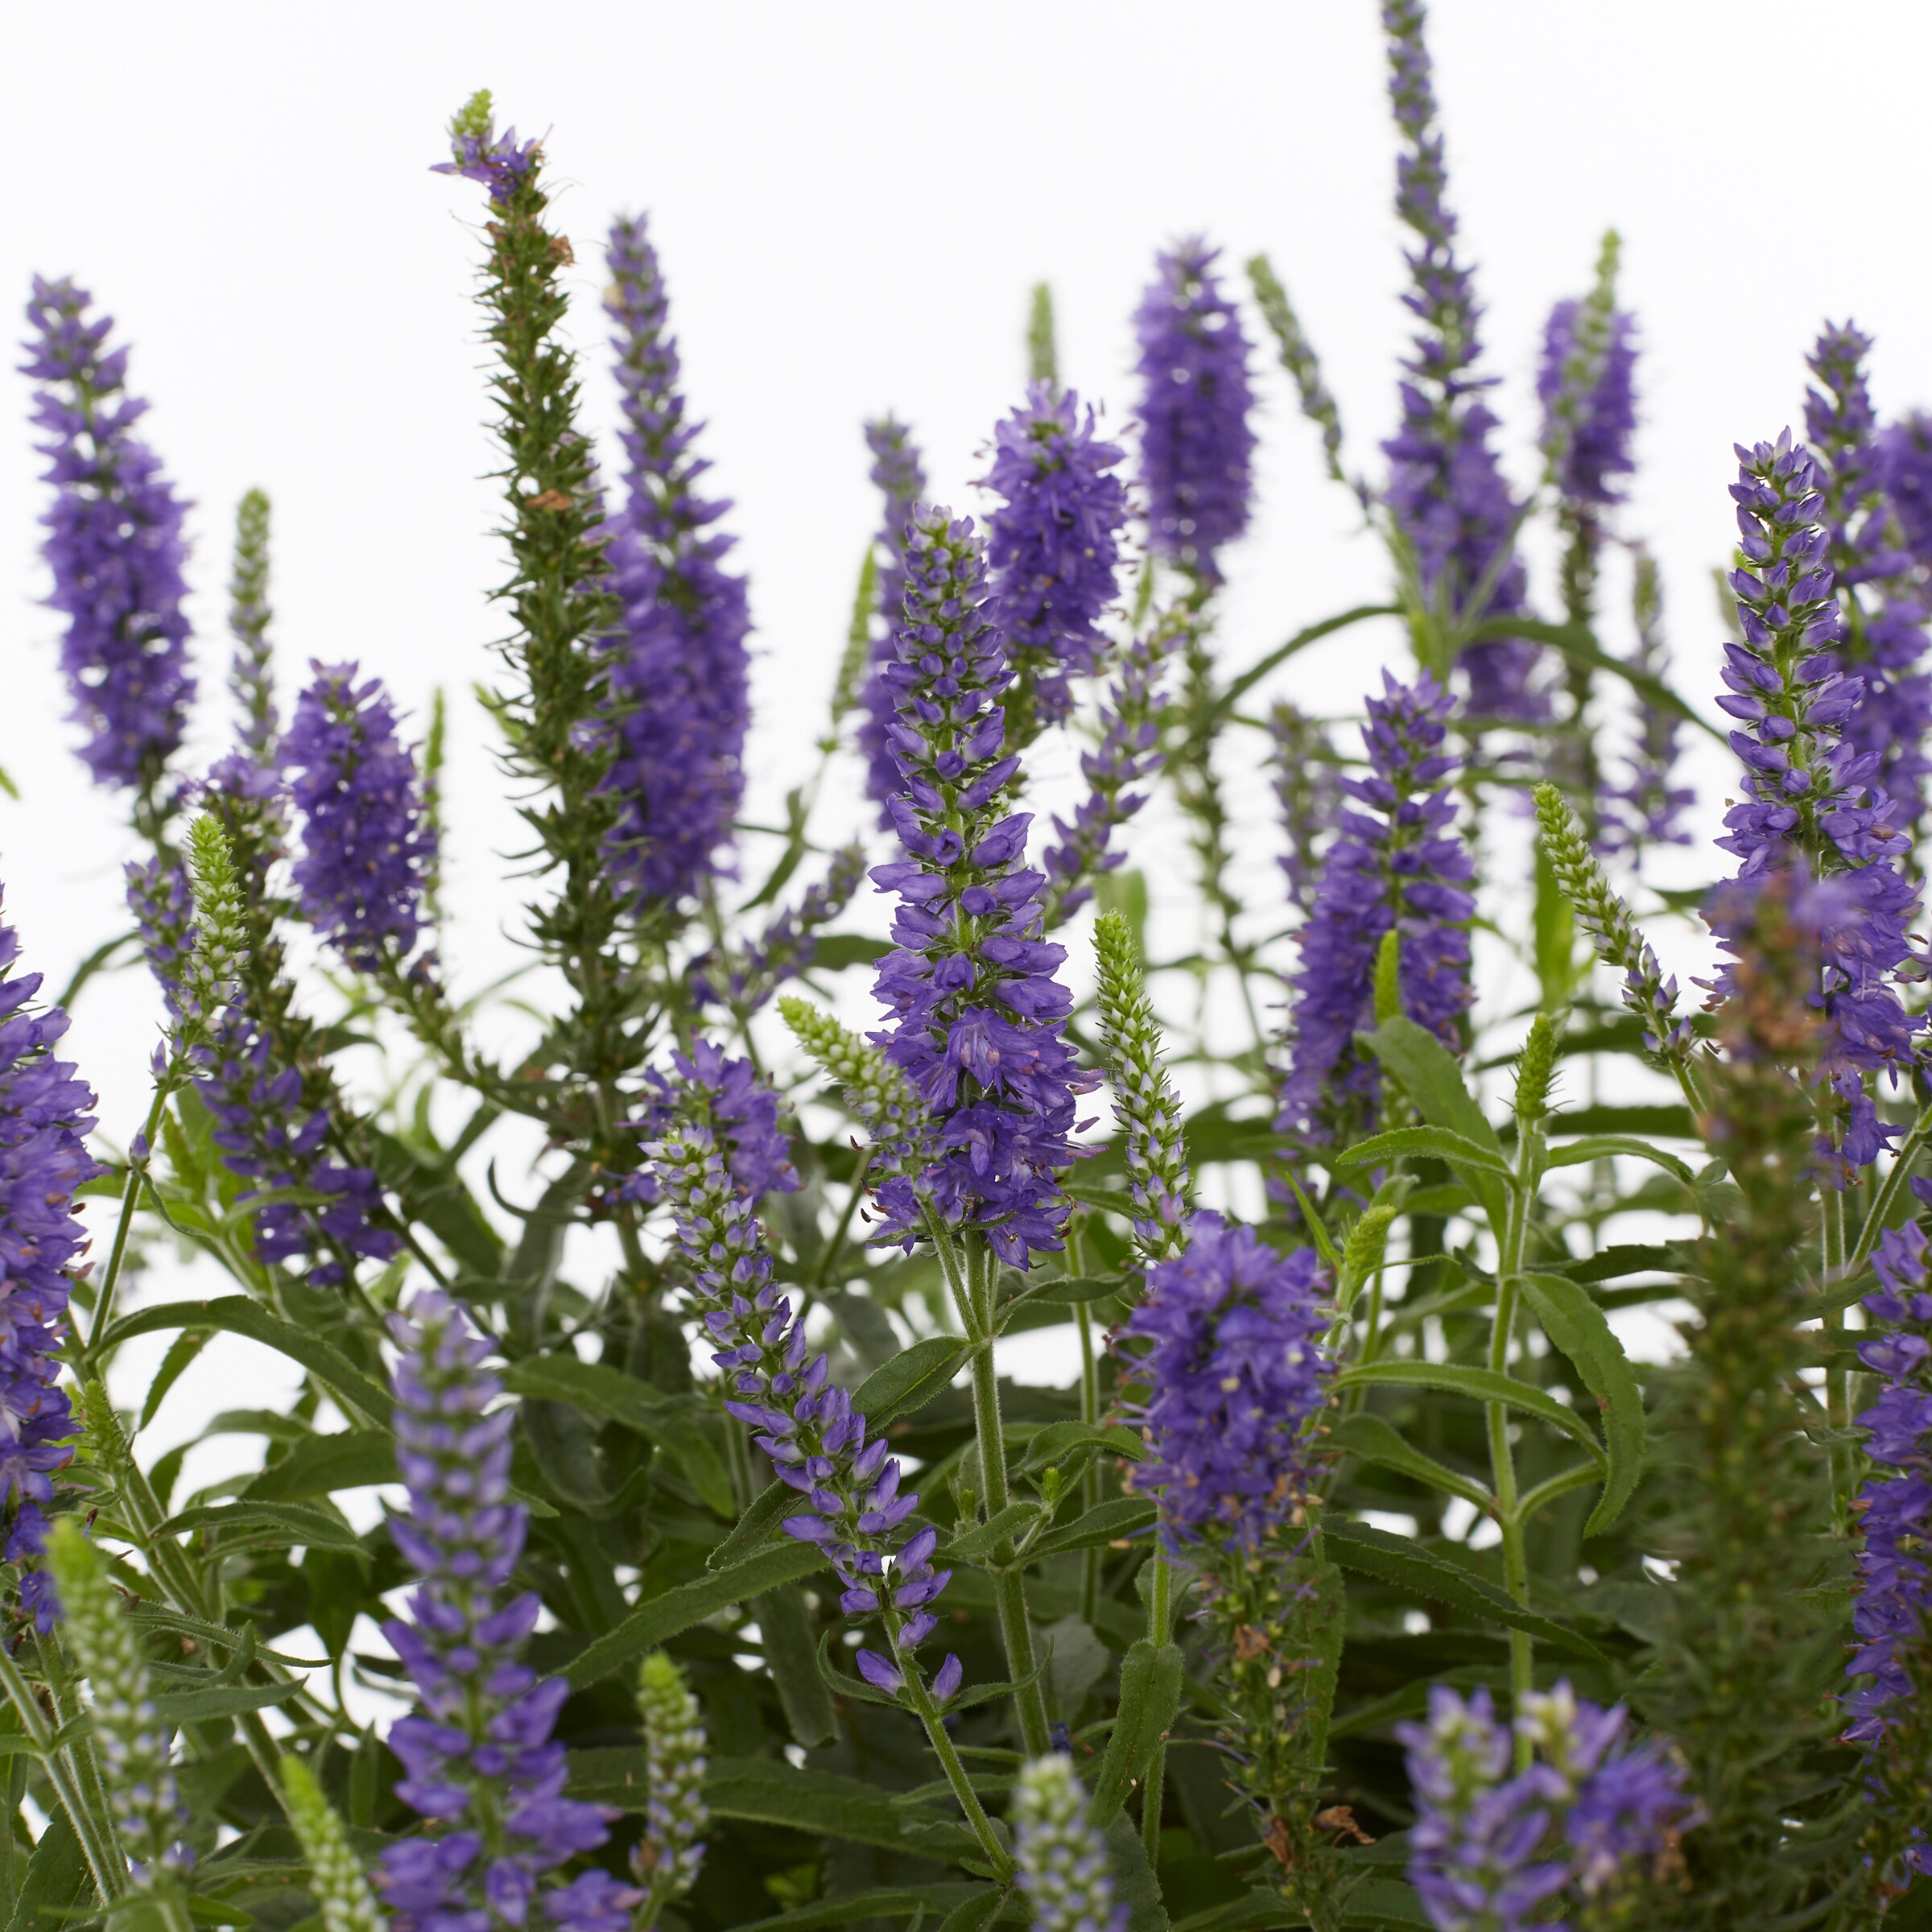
(1586, 384)
(1231, 1373)
(1446, 493)
(1308, 789)
(1397, 866)
(114, 545)
(1903, 454)
(679, 670)
(977, 1018)
(1494, 1849)
(1062, 1859)
(1197, 445)
(668, 1856)
(44, 1119)
(1647, 807)
(1895, 1580)
(1811, 806)
(900, 479)
(477, 1757)
(745, 980)
(802, 1420)
(479, 153)
(367, 849)
(1128, 754)
(1054, 543)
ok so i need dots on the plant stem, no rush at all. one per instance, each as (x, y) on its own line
(1090, 1481)
(1502, 1458)
(98, 1844)
(981, 1824)
(1160, 1619)
(130, 1195)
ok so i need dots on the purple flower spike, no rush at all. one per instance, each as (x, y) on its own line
(977, 1016)
(1398, 864)
(478, 1761)
(1447, 491)
(1196, 442)
(1055, 543)
(1234, 1372)
(1812, 810)
(1591, 427)
(1903, 455)
(1647, 807)
(1506, 1851)
(679, 670)
(805, 1422)
(900, 479)
(367, 847)
(113, 543)
(45, 1116)
(500, 162)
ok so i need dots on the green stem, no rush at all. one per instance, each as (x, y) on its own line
(1502, 1458)
(1160, 1621)
(1838, 1381)
(98, 1844)
(130, 1195)
(836, 1246)
(1090, 1481)
(980, 1823)
(1888, 1190)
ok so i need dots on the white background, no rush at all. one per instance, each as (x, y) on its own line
(852, 201)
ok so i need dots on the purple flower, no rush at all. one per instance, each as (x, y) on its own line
(1451, 506)
(1895, 1582)
(500, 162)
(1233, 1371)
(805, 1422)
(1196, 444)
(478, 1760)
(114, 544)
(1879, 585)
(977, 1018)
(740, 1110)
(1053, 544)
(1397, 865)
(679, 669)
(1902, 453)
(898, 476)
(1811, 808)
(1496, 1851)
(158, 896)
(1308, 789)
(1589, 402)
(1127, 755)
(1647, 808)
(44, 1118)
(745, 980)
(367, 847)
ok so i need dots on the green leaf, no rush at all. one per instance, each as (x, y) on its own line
(267, 1526)
(1113, 1520)
(756, 1527)
(220, 1700)
(1150, 1695)
(1602, 1147)
(662, 1617)
(596, 1390)
(909, 1380)
(181, 1352)
(236, 1315)
(1440, 1142)
(1434, 1082)
(1479, 1385)
(1240, 686)
(1059, 1441)
(785, 1624)
(1134, 1879)
(1374, 1441)
(837, 950)
(1576, 1325)
(1395, 1560)
(1579, 645)
(979, 1541)
(56, 1884)
(966, 1907)
(1063, 1291)
(356, 1459)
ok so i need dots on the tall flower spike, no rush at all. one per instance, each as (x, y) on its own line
(1053, 544)
(500, 162)
(1144, 1100)
(45, 1117)
(337, 1882)
(114, 544)
(132, 1740)
(977, 1019)
(1446, 493)
(1811, 804)
(1225, 1348)
(1196, 442)
(1612, 927)
(1882, 596)
(1308, 788)
(1127, 755)
(680, 670)
(744, 980)
(900, 479)
(875, 1090)
(251, 679)
(1903, 454)
(478, 1761)
(801, 1419)
(1585, 383)
(1647, 807)
(1298, 358)
(1891, 1709)
(669, 1855)
(366, 850)
(1398, 866)
(1062, 1859)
